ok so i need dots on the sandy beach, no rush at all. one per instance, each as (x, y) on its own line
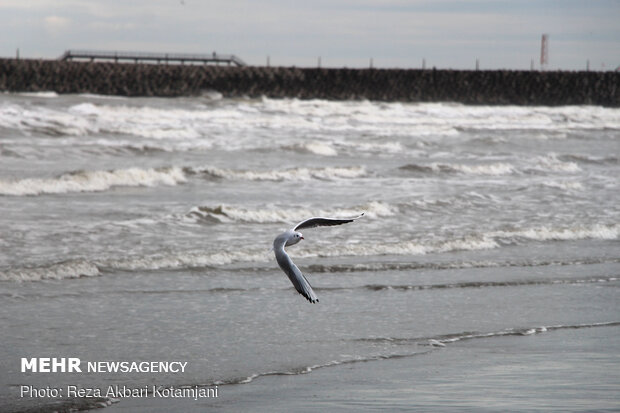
(571, 370)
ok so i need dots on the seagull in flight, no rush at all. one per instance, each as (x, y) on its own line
(292, 237)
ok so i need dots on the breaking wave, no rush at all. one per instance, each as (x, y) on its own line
(225, 213)
(202, 259)
(55, 271)
(473, 242)
(488, 169)
(92, 181)
(316, 148)
(97, 181)
(293, 174)
(191, 121)
(590, 159)
(541, 164)
(185, 260)
(546, 233)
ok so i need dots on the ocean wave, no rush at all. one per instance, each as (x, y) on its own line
(54, 271)
(596, 160)
(549, 233)
(564, 185)
(92, 181)
(492, 169)
(185, 260)
(432, 343)
(449, 265)
(201, 259)
(52, 122)
(378, 119)
(542, 164)
(314, 147)
(104, 97)
(225, 213)
(293, 174)
(473, 335)
(87, 118)
(99, 180)
(471, 242)
(473, 284)
(47, 95)
(164, 261)
(147, 122)
(407, 247)
(551, 163)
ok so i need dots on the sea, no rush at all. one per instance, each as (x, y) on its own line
(136, 232)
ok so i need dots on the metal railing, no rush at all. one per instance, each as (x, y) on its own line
(116, 56)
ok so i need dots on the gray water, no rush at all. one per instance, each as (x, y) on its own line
(139, 230)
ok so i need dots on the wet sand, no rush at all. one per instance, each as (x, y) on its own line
(574, 370)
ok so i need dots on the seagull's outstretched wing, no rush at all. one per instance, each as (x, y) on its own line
(323, 222)
(294, 274)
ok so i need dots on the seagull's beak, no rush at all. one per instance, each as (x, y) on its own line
(302, 238)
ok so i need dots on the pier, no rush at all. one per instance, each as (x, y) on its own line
(136, 57)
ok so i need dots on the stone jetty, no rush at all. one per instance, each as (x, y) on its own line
(492, 87)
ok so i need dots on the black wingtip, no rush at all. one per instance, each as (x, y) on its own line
(310, 299)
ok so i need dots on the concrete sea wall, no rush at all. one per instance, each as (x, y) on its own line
(470, 87)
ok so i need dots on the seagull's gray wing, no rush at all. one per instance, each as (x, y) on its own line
(323, 222)
(294, 274)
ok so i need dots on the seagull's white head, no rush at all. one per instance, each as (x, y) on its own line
(294, 238)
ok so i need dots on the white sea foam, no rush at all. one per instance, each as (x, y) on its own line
(201, 259)
(494, 169)
(314, 147)
(491, 169)
(54, 122)
(541, 164)
(551, 163)
(564, 185)
(56, 271)
(47, 95)
(186, 259)
(225, 213)
(373, 118)
(483, 241)
(293, 174)
(104, 97)
(547, 233)
(92, 181)
(377, 147)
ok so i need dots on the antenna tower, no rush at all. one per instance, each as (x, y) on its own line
(544, 51)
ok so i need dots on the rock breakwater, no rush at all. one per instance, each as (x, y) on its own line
(470, 87)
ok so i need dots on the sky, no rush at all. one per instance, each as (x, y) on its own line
(447, 34)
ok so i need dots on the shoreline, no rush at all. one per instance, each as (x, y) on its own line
(562, 365)
(563, 368)
(494, 87)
